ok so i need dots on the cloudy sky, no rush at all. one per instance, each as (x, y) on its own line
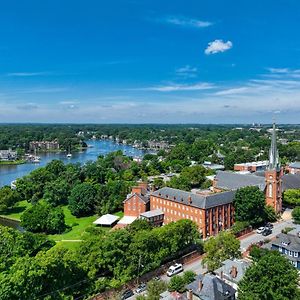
(150, 61)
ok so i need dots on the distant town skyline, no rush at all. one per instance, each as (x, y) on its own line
(131, 61)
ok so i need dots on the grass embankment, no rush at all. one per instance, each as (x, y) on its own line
(13, 162)
(71, 238)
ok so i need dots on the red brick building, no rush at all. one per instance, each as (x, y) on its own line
(212, 213)
(138, 201)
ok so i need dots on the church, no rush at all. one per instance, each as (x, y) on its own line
(272, 181)
(212, 210)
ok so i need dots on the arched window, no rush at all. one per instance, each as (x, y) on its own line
(270, 190)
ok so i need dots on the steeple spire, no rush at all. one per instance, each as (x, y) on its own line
(274, 163)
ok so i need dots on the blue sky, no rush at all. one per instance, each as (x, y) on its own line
(148, 61)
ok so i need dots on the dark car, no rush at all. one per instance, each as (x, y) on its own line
(141, 288)
(267, 231)
(127, 294)
(269, 225)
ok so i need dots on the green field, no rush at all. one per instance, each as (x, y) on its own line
(71, 238)
(13, 162)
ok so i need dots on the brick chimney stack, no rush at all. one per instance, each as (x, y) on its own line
(189, 295)
(200, 285)
(233, 272)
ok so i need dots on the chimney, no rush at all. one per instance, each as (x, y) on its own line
(222, 275)
(167, 196)
(200, 285)
(189, 199)
(189, 295)
(233, 272)
(143, 185)
(136, 190)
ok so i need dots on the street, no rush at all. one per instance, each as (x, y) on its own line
(253, 238)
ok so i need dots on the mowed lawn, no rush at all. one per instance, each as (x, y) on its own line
(78, 225)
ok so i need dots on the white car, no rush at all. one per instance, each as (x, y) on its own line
(260, 230)
(175, 269)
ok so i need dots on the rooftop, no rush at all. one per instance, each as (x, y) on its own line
(290, 241)
(196, 200)
(107, 219)
(210, 287)
(152, 213)
(232, 181)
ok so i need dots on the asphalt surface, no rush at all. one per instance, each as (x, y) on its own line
(253, 238)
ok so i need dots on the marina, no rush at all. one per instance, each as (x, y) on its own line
(9, 173)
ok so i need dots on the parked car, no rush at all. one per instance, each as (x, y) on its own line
(127, 294)
(260, 230)
(269, 225)
(141, 288)
(267, 231)
(175, 269)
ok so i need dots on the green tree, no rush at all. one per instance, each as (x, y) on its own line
(82, 200)
(272, 277)
(291, 197)
(177, 284)
(189, 276)
(155, 288)
(219, 248)
(296, 214)
(57, 192)
(8, 198)
(42, 217)
(249, 205)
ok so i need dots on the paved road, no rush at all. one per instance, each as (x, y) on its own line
(255, 237)
(196, 265)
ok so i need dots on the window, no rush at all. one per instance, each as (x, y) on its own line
(270, 194)
(290, 253)
(295, 254)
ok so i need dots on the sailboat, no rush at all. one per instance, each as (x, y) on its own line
(36, 159)
(69, 155)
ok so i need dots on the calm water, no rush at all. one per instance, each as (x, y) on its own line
(10, 172)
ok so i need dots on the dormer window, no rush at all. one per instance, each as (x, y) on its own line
(285, 243)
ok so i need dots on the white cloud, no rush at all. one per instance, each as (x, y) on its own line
(187, 71)
(218, 46)
(187, 22)
(27, 74)
(181, 87)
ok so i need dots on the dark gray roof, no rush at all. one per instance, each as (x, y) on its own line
(201, 201)
(152, 213)
(293, 241)
(295, 165)
(213, 288)
(241, 266)
(232, 181)
(290, 181)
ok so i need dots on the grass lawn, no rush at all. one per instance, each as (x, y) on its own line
(70, 239)
(16, 212)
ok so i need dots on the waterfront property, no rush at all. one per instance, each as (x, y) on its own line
(8, 155)
(44, 145)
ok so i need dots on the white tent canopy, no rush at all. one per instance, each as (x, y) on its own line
(106, 220)
(126, 220)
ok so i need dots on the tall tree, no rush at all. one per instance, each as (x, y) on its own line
(249, 205)
(272, 277)
(219, 248)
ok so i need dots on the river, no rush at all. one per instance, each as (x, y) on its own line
(8, 173)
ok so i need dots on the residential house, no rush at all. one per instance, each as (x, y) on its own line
(289, 246)
(209, 287)
(293, 168)
(232, 271)
(7, 155)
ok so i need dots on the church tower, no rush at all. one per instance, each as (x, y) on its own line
(273, 176)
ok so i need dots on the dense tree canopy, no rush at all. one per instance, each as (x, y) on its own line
(249, 205)
(296, 214)
(291, 197)
(219, 248)
(8, 198)
(42, 217)
(271, 277)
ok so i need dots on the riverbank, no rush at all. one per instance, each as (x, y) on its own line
(12, 162)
